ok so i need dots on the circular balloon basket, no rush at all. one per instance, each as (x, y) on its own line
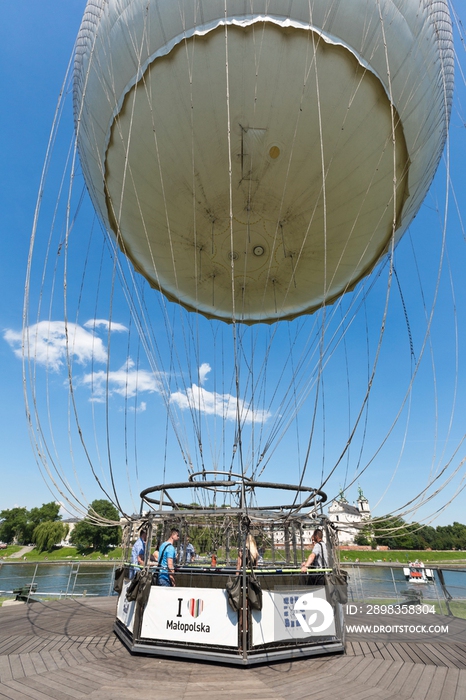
(238, 592)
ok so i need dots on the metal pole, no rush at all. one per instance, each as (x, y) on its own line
(75, 578)
(69, 579)
(32, 583)
(227, 544)
(286, 532)
(111, 580)
(244, 611)
(293, 541)
(394, 586)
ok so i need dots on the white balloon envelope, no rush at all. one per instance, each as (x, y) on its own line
(256, 160)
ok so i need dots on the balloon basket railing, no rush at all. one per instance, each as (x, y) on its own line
(222, 609)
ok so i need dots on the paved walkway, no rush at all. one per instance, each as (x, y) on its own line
(21, 553)
(66, 650)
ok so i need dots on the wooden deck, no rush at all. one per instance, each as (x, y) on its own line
(66, 650)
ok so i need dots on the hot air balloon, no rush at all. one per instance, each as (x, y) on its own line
(256, 164)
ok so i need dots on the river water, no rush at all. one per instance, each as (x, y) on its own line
(368, 582)
(365, 583)
(59, 579)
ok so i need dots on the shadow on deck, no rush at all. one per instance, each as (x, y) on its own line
(67, 650)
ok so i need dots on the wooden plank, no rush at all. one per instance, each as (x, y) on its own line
(28, 666)
(366, 649)
(399, 681)
(451, 683)
(5, 669)
(48, 660)
(374, 649)
(424, 682)
(384, 653)
(55, 691)
(460, 693)
(38, 662)
(423, 657)
(339, 683)
(410, 652)
(62, 681)
(444, 655)
(410, 682)
(427, 650)
(20, 690)
(96, 680)
(13, 645)
(16, 666)
(390, 674)
(457, 652)
(360, 669)
(83, 680)
(435, 690)
(12, 693)
(4, 697)
(395, 652)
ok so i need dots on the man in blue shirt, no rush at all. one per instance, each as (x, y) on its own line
(138, 553)
(167, 556)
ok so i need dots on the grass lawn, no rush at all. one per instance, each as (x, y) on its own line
(11, 549)
(62, 554)
(403, 556)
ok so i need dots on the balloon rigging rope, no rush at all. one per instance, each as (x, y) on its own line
(29, 364)
(389, 280)
(403, 510)
(41, 456)
(170, 334)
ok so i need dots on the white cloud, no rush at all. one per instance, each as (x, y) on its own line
(204, 370)
(139, 409)
(50, 342)
(197, 398)
(125, 381)
(103, 323)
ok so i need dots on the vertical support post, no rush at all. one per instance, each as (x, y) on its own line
(394, 585)
(32, 583)
(301, 535)
(294, 545)
(69, 580)
(227, 544)
(286, 532)
(446, 595)
(75, 578)
(112, 578)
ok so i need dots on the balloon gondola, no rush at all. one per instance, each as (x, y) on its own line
(234, 609)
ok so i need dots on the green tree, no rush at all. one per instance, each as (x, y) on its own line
(14, 525)
(48, 512)
(48, 534)
(87, 534)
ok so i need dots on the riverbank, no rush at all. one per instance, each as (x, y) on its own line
(391, 557)
(19, 554)
(403, 557)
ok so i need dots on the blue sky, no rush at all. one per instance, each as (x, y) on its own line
(36, 45)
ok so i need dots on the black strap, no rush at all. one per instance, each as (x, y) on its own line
(324, 565)
(161, 553)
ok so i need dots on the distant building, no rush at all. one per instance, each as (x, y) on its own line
(71, 522)
(347, 518)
